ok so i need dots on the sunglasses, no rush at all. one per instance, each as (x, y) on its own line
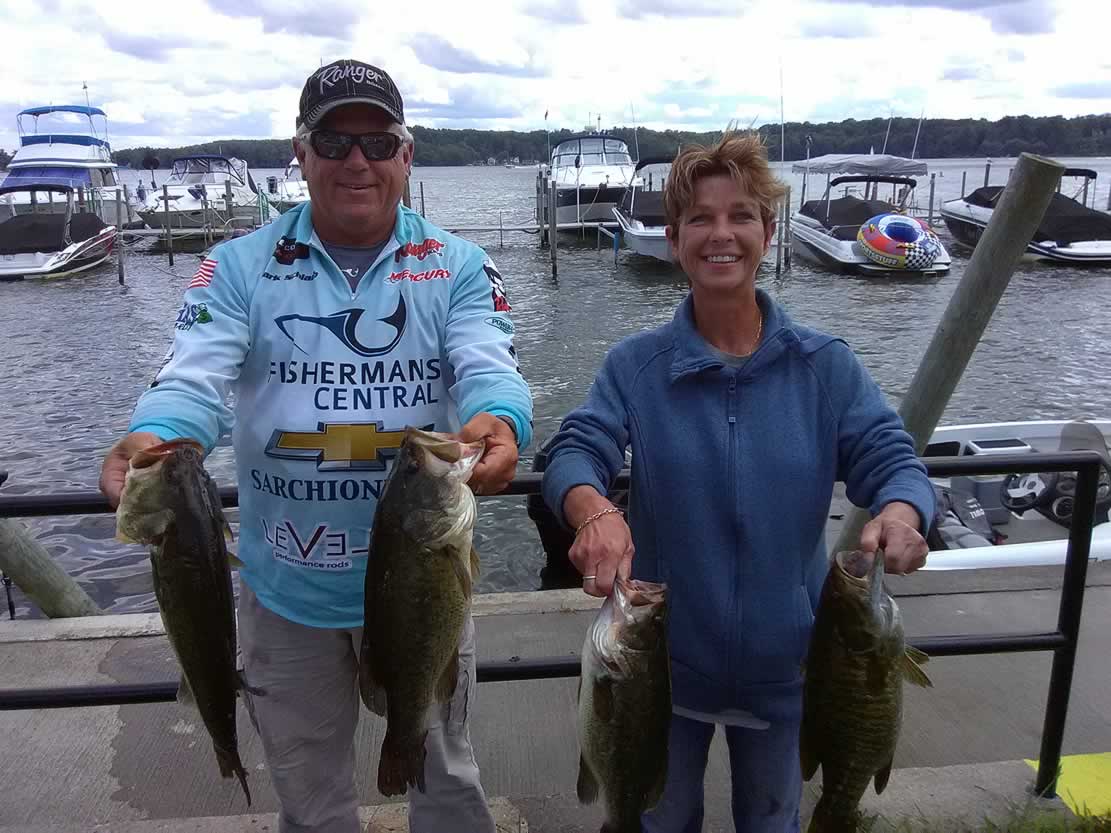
(376, 147)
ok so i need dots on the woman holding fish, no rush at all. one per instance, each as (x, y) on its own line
(740, 422)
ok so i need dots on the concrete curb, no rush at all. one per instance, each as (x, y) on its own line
(150, 624)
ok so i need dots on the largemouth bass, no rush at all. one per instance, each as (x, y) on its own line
(853, 691)
(419, 579)
(625, 705)
(171, 503)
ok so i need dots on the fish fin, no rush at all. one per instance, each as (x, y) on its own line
(445, 688)
(476, 564)
(882, 776)
(914, 674)
(603, 699)
(234, 562)
(230, 764)
(241, 683)
(185, 694)
(920, 657)
(372, 692)
(401, 765)
(587, 785)
(463, 570)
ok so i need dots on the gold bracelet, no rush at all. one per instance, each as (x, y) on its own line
(596, 516)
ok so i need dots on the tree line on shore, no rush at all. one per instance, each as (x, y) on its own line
(936, 138)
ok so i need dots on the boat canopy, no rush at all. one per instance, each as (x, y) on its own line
(877, 164)
(591, 149)
(207, 169)
(1066, 221)
(844, 216)
(63, 108)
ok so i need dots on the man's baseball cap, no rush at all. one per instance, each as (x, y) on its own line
(348, 82)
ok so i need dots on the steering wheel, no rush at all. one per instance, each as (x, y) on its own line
(1020, 492)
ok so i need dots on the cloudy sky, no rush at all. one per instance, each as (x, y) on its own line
(172, 74)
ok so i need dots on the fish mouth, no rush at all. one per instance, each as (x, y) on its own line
(639, 593)
(859, 567)
(445, 448)
(148, 457)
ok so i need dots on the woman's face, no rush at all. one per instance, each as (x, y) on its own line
(721, 237)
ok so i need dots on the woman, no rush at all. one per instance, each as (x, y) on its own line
(740, 422)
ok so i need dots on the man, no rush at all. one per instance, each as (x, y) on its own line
(336, 326)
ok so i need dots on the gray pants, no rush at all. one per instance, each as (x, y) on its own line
(307, 722)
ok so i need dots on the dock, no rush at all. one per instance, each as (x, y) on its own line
(149, 767)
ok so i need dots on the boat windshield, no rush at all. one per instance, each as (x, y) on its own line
(617, 153)
(47, 175)
(63, 123)
(203, 171)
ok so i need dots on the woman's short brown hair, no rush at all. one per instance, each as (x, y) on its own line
(741, 156)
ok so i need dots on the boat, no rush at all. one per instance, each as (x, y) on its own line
(197, 190)
(591, 172)
(50, 244)
(1029, 514)
(1070, 232)
(67, 145)
(640, 213)
(841, 233)
(289, 191)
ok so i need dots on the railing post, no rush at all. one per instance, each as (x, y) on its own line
(964, 182)
(119, 233)
(1068, 624)
(930, 217)
(166, 217)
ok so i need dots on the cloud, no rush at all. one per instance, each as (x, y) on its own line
(837, 27)
(438, 53)
(296, 18)
(1084, 89)
(555, 12)
(1007, 17)
(963, 73)
(465, 102)
(1014, 55)
(146, 47)
(641, 9)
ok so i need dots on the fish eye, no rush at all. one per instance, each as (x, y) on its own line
(412, 467)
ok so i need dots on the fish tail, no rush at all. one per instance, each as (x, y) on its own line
(831, 818)
(401, 765)
(231, 765)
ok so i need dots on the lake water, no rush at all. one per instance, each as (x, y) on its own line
(77, 352)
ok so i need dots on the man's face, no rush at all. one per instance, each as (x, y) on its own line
(354, 201)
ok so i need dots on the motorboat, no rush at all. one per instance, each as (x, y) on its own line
(1070, 231)
(860, 232)
(197, 191)
(1024, 517)
(640, 213)
(289, 191)
(66, 145)
(591, 172)
(50, 244)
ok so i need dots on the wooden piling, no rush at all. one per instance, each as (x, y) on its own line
(501, 221)
(987, 173)
(231, 210)
(1019, 212)
(34, 572)
(787, 231)
(553, 225)
(964, 181)
(422, 199)
(930, 216)
(166, 217)
(407, 196)
(119, 234)
(779, 237)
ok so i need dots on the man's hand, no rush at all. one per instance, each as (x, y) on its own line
(603, 550)
(114, 471)
(499, 461)
(895, 529)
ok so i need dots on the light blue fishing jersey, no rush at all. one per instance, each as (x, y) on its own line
(325, 379)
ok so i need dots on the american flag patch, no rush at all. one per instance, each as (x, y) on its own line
(204, 274)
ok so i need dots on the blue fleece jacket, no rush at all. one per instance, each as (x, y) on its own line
(733, 472)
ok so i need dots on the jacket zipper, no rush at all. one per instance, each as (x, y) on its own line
(738, 613)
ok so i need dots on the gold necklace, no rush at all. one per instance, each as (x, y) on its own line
(759, 332)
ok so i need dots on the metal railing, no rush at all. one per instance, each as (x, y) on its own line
(1062, 641)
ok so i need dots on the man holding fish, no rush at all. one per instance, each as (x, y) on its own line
(740, 421)
(337, 327)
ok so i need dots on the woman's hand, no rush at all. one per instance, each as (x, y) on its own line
(895, 530)
(603, 549)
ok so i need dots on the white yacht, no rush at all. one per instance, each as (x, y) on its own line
(641, 211)
(1070, 231)
(591, 172)
(49, 244)
(65, 145)
(289, 191)
(865, 234)
(197, 189)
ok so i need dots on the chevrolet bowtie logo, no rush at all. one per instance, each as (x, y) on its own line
(343, 446)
